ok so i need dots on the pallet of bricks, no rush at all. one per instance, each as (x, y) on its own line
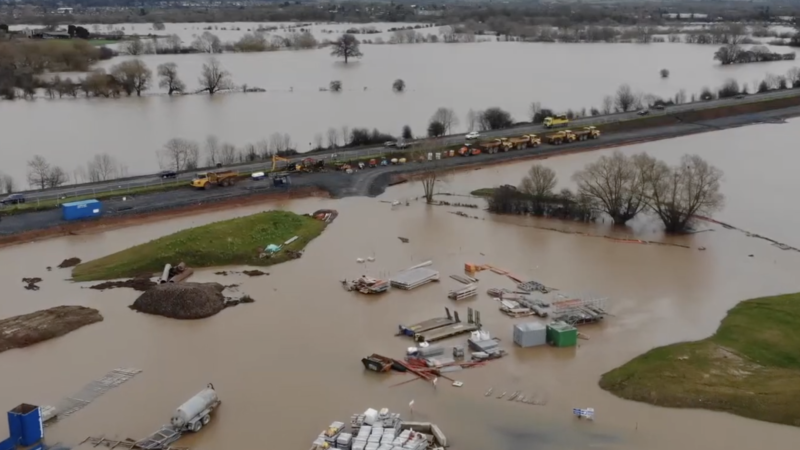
(375, 430)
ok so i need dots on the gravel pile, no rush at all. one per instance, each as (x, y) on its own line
(69, 262)
(182, 300)
(29, 329)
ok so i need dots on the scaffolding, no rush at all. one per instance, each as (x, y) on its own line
(580, 309)
(77, 401)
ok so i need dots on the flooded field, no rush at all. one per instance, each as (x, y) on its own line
(435, 76)
(289, 364)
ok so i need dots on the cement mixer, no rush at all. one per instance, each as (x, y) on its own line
(196, 412)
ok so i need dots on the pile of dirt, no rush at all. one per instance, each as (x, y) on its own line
(140, 284)
(31, 283)
(29, 329)
(69, 262)
(254, 273)
(182, 300)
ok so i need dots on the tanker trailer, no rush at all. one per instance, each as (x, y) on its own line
(196, 412)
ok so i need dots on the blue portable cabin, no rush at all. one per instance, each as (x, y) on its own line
(81, 210)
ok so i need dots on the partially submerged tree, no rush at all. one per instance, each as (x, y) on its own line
(347, 46)
(132, 76)
(679, 194)
(207, 43)
(615, 184)
(168, 72)
(664, 73)
(539, 182)
(335, 86)
(399, 85)
(213, 77)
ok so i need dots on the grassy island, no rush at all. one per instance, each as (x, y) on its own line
(229, 242)
(484, 192)
(750, 367)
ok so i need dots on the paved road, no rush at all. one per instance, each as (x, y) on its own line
(367, 182)
(149, 180)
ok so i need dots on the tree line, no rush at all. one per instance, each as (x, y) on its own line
(737, 54)
(208, 42)
(620, 187)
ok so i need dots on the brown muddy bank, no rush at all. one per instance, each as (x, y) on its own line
(28, 329)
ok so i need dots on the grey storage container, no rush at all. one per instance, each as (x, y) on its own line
(530, 334)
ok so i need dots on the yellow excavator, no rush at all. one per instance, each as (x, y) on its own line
(289, 166)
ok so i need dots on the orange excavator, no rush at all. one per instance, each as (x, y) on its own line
(469, 151)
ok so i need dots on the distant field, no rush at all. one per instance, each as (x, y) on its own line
(103, 41)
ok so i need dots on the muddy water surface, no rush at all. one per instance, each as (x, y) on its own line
(289, 364)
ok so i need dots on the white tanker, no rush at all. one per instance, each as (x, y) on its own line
(196, 412)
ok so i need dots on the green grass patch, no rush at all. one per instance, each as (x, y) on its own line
(483, 192)
(229, 242)
(750, 367)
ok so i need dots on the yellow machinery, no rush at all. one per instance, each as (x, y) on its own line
(587, 133)
(289, 166)
(205, 180)
(491, 147)
(557, 121)
(561, 137)
(528, 140)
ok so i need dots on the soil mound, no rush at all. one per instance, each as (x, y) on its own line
(182, 300)
(29, 329)
(69, 262)
(141, 284)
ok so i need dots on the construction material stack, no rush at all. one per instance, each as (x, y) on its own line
(530, 334)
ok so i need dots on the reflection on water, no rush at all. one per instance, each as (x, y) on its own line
(289, 364)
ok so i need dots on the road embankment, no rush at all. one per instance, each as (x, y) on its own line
(120, 212)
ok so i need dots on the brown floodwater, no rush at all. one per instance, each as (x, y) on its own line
(288, 365)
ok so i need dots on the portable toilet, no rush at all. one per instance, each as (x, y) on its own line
(83, 209)
(25, 427)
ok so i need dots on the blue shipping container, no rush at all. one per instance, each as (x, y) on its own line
(31, 428)
(81, 210)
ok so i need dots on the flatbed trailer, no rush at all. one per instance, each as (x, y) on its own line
(428, 325)
(447, 331)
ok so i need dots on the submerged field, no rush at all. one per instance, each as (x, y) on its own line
(749, 367)
(236, 241)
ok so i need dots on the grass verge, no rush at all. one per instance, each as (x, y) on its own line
(229, 242)
(750, 367)
(483, 192)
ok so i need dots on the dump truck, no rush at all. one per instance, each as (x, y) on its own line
(557, 121)
(528, 140)
(204, 180)
(196, 412)
(561, 137)
(491, 147)
(587, 133)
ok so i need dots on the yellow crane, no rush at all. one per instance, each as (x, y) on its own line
(275, 158)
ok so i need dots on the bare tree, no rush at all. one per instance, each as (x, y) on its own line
(345, 135)
(168, 72)
(333, 138)
(399, 85)
(625, 99)
(346, 47)
(680, 97)
(318, 140)
(180, 154)
(286, 141)
(262, 148)
(132, 76)
(8, 183)
(534, 110)
(213, 78)
(447, 117)
(56, 177)
(102, 167)
(664, 73)
(212, 150)
(472, 120)
(158, 26)
(678, 194)
(335, 86)
(227, 154)
(276, 142)
(38, 172)
(539, 182)
(134, 47)
(615, 183)
(608, 104)
(207, 43)
(433, 172)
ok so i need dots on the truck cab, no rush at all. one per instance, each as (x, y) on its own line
(557, 121)
(200, 180)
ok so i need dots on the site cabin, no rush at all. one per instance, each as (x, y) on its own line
(557, 121)
(204, 180)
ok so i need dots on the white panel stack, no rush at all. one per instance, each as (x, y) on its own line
(344, 441)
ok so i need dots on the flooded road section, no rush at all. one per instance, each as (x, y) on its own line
(288, 365)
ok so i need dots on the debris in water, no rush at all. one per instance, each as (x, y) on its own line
(28, 329)
(32, 283)
(69, 262)
(403, 240)
(140, 284)
(489, 392)
(254, 273)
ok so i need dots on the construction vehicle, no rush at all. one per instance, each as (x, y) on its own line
(204, 180)
(528, 140)
(587, 133)
(312, 165)
(281, 180)
(561, 137)
(491, 147)
(469, 151)
(557, 121)
(291, 167)
(373, 163)
(196, 412)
